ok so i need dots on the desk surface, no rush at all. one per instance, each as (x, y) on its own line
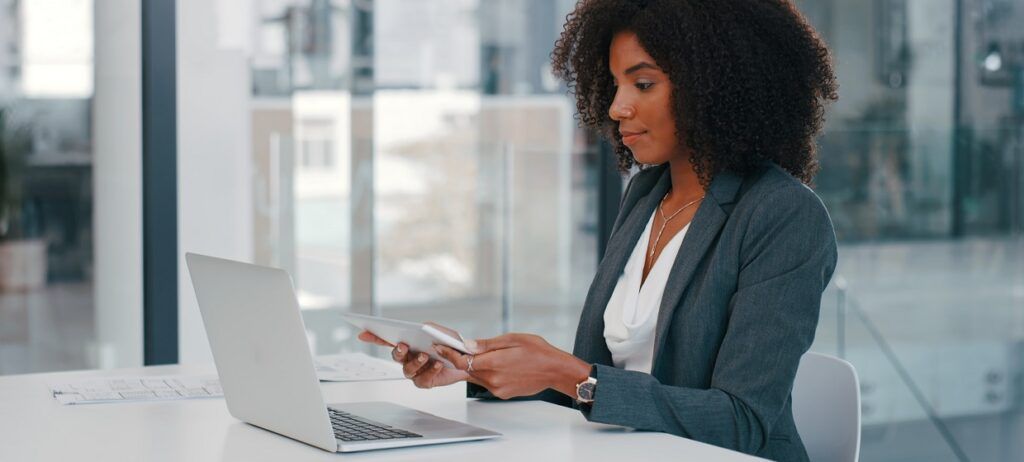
(33, 426)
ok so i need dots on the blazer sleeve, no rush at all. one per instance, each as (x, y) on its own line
(787, 257)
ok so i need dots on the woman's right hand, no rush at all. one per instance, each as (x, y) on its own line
(417, 366)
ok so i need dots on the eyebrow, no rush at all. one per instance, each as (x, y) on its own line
(643, 65)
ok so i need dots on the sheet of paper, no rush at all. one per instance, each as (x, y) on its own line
(145, 388)
(347, 367)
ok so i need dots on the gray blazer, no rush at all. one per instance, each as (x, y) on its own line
(739, 310)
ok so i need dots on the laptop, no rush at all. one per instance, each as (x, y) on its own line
(258, 340)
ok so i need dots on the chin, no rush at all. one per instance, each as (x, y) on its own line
(648, 159)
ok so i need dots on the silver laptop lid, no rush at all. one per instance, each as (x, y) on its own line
(258, 341)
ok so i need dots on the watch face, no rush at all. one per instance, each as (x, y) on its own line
(586, 391)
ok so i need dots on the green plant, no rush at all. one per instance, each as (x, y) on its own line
(15, 144)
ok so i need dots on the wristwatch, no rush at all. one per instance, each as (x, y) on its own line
(585, 390)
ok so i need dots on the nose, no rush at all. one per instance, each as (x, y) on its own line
(620, 110)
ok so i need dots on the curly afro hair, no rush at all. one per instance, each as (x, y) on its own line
(750, 77)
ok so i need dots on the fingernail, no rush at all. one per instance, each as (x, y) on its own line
(437, 365)
(471, 345)
(422, 358)
(400, 349)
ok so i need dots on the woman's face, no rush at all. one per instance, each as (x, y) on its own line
(643, 102)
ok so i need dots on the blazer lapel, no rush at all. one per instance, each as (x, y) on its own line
(590, 344)
(704, 228)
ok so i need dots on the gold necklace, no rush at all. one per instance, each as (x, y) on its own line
(664, 222)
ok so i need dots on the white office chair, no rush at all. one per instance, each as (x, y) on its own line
(826, 407)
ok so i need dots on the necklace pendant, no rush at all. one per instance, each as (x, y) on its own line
(664, 223)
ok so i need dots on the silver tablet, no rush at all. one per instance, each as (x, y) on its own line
(419, 336)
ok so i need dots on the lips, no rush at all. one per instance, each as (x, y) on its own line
(630, 137)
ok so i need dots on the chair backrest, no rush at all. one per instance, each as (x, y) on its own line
(826, 407)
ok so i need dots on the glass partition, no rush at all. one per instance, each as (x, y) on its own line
(922, 174)
(69, 234)
(412, 159)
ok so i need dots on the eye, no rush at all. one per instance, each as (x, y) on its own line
(642, 86)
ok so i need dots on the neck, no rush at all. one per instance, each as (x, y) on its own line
(685, 182)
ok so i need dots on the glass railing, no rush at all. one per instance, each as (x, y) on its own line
(935, 332)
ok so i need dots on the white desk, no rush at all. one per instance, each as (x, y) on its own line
(33, 426)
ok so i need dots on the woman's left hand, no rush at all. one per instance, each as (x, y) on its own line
(513, 365)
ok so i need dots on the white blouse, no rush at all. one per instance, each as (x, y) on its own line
(632, 311)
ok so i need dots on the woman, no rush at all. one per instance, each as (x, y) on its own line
(710, 289)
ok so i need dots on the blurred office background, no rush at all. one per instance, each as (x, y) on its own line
(416, 159)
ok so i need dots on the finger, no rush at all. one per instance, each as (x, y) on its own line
(459, 360)
(485, 362)
(495, 343)
(399, 352)
(425, 378)
(413, 364)
(368, 337)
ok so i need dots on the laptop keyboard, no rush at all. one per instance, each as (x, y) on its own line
(349, 427)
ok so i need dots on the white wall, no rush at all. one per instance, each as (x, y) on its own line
(117, 183)
(215, 204)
